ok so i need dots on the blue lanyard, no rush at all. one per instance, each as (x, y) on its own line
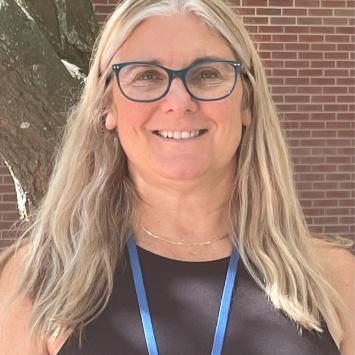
(144, 309)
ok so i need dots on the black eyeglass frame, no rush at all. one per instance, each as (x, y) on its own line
(178, 74)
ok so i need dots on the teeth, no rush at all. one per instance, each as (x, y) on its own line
(179, 134)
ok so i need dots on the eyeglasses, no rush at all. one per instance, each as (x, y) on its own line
(210, 80)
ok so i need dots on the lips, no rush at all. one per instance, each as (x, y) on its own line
(179, 135)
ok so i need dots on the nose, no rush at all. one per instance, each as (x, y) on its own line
(178, 98)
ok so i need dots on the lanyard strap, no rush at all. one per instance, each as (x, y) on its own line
(223, 314)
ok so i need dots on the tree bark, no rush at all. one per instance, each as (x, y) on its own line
(36, 88)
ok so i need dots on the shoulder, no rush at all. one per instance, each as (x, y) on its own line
(15, 316)
(338, 265)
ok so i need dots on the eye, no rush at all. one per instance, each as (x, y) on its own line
(149, 75)
(209, 74)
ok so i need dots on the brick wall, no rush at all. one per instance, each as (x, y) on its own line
(308, 49)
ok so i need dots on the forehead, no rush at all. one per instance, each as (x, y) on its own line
(174, 41)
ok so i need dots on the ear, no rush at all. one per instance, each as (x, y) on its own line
(246, 117)
(110, 121)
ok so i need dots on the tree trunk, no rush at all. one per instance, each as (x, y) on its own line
(37, 41)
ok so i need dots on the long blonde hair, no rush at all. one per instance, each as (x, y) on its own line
(77, 235)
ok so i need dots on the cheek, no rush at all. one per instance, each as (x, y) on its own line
(132, 116)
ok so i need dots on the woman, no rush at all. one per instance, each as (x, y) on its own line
(173, 186)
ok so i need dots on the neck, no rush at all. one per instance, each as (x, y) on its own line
(186, 213)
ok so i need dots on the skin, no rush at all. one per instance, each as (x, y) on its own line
(184, 184)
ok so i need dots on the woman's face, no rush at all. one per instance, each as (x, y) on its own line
(176, 42)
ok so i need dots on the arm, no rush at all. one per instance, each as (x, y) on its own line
(14, 321)
(339, 267)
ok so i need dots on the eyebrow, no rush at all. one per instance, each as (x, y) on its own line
(195, 61)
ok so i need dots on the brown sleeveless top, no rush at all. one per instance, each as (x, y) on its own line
(184, 300)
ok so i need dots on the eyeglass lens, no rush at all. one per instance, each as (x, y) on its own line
(207, 81)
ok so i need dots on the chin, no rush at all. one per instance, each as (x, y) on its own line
(181, 171)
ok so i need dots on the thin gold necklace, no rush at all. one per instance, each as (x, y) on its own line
(207, 242)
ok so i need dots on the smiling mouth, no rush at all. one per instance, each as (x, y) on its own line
(180, 135)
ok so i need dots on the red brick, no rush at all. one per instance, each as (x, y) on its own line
(302, 169)
(257, 20)
(346, 134)
(311, 38)
(322, 81)
(271, 46)
(324, 133)
(8, 180)
(324, 203)
(246, 11)
(297, 64)
(345, 81)
(337, 38)
(285, 72)
(273, 63)
(336, 55)
(297, 81)
(297, 46)
(10, 216)
(287, 107)
(323, 64)
(320, 12)
(334, 90)
(323, 47)
(261, 37)
(271, 29)
(338, 124)
(309, 108)
(7, 189)
(337, 211)
(268, 12)
(8, 207)
(345, 64)
(326, 220)
(335, 107)
(333, 3)
(338, 160)
(283, 21)
(312, 125)
(309, 20)
(346, 116)
(284, 38)
(9, 198)
(322, 29)
(298, 98)
(323, 98)
(335, 21)
(348, 98)
(296, 29)
(284, 90)
(284, 55)
(349, 168)
(344, 12)
(345, 30)
(294, 12)
(336, 72)
(254, 2)
(310, 55)
(323, 116)
(282, 3)
(310, 89)
(307, 3)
